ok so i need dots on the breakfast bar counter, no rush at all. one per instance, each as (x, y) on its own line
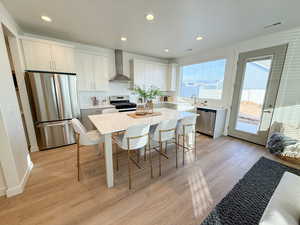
(107, 124)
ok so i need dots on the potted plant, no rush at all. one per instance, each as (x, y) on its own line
(147, 96)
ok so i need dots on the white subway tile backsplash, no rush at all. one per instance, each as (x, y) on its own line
(115, 88)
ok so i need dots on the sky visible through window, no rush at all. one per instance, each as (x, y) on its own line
(203, 80)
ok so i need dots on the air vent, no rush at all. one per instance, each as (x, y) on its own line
(273, 25)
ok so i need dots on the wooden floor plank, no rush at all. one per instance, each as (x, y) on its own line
(180, 196)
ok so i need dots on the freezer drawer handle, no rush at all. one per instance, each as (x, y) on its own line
(52, 124)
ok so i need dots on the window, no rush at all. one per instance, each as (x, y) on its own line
(203, 80)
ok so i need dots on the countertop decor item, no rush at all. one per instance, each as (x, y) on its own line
(95, 101)
(147, 95)
(141, 109)
(137, 116)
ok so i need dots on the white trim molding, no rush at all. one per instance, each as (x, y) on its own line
(2, 191)
(20, 187)
(34, 148)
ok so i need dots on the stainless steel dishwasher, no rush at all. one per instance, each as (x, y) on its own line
(206, 121)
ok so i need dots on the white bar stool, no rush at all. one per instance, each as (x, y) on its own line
(164, 132)
(84, 138)
(134, 138)
(186, 127)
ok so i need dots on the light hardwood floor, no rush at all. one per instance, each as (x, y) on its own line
(179, 197)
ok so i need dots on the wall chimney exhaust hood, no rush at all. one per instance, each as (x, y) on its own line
(119, 77)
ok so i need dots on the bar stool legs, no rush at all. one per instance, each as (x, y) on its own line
(176, 146)
(150, 157)
(145, 153)
(78, 159)
(117, 157)
(195, 145)
(129, 169)
(160, 153)
(183, 148)
(186, 147)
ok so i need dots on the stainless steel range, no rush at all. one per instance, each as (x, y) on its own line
(122, 103)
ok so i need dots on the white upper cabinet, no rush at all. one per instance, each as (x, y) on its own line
(84, 70)
(37, 55)
(147, 73)
(48, 56)
(63, 58)
(101, 64)
(139, 73)
(173, 76)
(162, 77)
(92, 71)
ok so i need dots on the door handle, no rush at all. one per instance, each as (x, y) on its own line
(267, 111)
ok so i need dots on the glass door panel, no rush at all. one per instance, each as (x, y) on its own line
(253, 93)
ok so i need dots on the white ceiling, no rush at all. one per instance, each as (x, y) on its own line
(176, 24)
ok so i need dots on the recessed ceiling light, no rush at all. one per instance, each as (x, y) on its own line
(199, 38)
(150, 17)
(123, 38)
(166, 50)
(46, 18)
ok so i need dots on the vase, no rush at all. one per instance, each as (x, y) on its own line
(149, 107)
(141, 109)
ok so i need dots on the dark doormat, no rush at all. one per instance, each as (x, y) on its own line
(246, 202)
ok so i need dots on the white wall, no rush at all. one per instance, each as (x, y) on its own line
(14, 155)
(288, 102)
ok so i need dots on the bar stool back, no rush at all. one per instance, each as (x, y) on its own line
(134, 138)
(164, 132)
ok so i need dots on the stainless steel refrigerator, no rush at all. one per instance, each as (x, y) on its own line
(53, 100)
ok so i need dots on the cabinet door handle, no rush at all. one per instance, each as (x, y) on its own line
(50, 63)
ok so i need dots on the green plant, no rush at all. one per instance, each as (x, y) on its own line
(148, 94)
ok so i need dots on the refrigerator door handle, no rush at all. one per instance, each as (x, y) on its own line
(59, 97)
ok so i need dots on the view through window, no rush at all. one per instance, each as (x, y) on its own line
(203, 80)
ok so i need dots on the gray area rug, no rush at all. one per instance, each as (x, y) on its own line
(246, 202)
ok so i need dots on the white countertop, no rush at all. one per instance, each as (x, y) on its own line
(114, 122)
(100, 106)
(174, 103)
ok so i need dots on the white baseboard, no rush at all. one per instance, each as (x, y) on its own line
(20, 187)
(34, 148)
(2, 191)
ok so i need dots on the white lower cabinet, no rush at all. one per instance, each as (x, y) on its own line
(92, 71)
